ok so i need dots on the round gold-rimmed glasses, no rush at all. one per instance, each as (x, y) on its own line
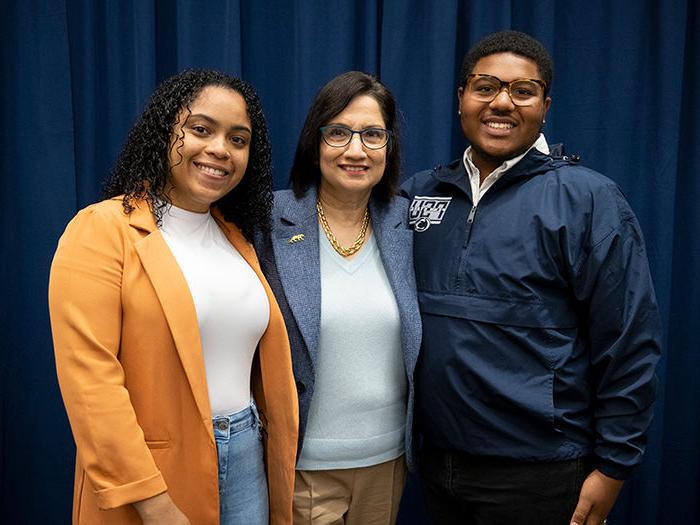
(522, 91)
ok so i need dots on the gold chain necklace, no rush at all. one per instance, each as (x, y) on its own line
(345, 252)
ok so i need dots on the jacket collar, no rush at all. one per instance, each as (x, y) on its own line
(142, 217)
(532, 164)
(300, 211)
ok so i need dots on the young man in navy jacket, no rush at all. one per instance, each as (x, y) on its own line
(541, 330)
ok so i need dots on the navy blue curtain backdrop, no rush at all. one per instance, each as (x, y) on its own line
(76, 73)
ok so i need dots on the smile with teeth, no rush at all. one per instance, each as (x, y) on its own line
(499, 125)
(354, 169)
(211, 171)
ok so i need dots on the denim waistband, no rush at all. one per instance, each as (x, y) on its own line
(224, 426)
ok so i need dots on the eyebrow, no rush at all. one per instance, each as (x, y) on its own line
(371, 126)
(215, 122)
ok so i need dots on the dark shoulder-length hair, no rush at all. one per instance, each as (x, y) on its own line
(331, 100)
(143, 168)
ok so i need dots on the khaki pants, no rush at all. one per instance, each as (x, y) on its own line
(355, 496)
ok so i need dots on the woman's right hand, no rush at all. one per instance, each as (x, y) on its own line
(160, 510)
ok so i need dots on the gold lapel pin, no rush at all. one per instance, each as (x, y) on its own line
(296, 238)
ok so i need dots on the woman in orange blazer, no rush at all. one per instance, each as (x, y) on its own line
(132, 306)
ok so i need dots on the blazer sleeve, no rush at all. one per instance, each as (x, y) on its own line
(86, 316)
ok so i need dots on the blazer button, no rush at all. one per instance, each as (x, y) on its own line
(301, 388)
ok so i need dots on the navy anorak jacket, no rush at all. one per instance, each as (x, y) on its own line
(541, 330)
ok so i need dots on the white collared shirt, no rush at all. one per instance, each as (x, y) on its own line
(479, 188)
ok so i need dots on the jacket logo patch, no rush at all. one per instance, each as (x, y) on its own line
(426, 211)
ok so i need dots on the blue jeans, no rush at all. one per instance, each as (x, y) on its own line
(242, 480)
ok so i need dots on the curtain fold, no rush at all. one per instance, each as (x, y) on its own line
(76, 73)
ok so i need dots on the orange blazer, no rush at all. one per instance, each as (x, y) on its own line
(132, 376)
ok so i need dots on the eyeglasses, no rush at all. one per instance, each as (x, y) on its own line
(338, 136)
(522, 91)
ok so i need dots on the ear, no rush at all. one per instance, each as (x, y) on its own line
(460, 94)
(547, 103)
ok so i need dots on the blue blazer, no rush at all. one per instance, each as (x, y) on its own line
(292, 268)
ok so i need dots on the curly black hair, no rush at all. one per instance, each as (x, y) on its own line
(331, 100)
(143, 169)
(509, 42)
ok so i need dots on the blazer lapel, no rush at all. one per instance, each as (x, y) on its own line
(298, 264)
(236, 238)
(177, 304)
(395, 243)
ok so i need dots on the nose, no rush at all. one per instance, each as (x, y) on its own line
(355, 148)
(502, 100)
(218, 146)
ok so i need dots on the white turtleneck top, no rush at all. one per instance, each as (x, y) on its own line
(232, 308)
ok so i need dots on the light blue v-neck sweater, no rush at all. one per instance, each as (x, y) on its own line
(358, 410)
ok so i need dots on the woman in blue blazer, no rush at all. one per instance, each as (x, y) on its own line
(340, 262)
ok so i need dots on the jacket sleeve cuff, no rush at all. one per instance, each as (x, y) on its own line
(112, 497)
(613, 470)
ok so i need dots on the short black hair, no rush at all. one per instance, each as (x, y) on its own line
(143, 166)
(509, 42)
(331, 100)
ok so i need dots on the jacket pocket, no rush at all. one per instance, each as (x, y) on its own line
(554, 313)
(502, 364)
(158, 443)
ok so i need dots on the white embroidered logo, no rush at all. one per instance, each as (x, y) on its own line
(426, 211)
